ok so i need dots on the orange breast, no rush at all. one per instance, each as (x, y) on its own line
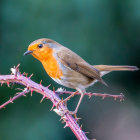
(51, 66)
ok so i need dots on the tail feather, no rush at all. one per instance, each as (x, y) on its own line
(110, 68)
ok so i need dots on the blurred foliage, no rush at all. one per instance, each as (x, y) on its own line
(102, 32)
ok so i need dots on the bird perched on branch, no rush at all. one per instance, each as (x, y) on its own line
(69, 69)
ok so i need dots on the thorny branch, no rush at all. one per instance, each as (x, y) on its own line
(15, 97)
(17, 77)
(61, 91)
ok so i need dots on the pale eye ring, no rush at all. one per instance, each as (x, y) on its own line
(40, 45)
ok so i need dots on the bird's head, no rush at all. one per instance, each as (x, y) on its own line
(41, 49)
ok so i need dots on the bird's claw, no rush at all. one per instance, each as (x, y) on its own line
(61, 102)
(74, 113)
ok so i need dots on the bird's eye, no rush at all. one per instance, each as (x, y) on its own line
(40, 45)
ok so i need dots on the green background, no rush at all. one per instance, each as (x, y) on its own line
(100, 31)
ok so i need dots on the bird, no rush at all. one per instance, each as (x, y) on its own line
(68, 69)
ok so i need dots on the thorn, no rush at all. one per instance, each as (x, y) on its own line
(42, 98)
(66, 125)
(75, 116)
(18, 89)
(89, 95)
(32, 92)
(2, 83)
(103, 97)
(54, 90)
(26, 75)
(22, 95)
(8, 84)
(31, 76)
(17, 67)
(52, 107)
(77, 119)
(81, 127)
(48, 85)
(41, 83)
(86, 132)
(122, 97)
(23, 73)
(19, 93)
(63, 121)
(62, 118)
(11, 100)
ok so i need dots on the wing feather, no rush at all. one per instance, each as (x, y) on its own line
(75, 62)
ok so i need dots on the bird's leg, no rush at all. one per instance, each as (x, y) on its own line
(77, 107)
(68, 98)
(65, 100)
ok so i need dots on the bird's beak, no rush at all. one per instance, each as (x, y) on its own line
(28, 52)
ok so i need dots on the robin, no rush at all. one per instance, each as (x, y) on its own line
(69, 69)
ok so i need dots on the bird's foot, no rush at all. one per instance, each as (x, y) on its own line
(65, 100)
(73, 113)
(61, 102)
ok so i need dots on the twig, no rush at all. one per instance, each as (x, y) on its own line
(15, 97)
(104, 95)
(32, 86)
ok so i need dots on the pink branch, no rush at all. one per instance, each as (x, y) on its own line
(32, 86)
(121, 96)
(14, 98)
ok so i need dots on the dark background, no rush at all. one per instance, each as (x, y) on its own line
(102, 32)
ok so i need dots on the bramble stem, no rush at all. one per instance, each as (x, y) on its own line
(53, 96)
(32, 86)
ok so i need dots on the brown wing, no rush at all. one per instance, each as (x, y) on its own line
(75, 62)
